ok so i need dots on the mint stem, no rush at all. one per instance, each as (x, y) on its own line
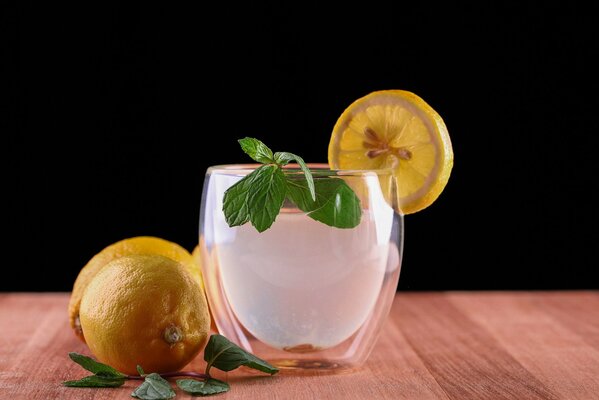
(172, 374)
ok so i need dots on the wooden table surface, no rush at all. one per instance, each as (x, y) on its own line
(441, 345)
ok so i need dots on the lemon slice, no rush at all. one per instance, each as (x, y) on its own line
(395, 129)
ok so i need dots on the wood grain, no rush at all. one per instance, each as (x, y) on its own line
(442, 345)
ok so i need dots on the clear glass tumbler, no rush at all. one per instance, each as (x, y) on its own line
(303, 295)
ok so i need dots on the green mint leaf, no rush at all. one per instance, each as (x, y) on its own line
(225, 355)
(266, 197)
(140, 370)
(235, 200)
(283, 158)
(97, 381)
(258, 198)
(203, 388)
(95, 366)
(154, 387)
(336, 203)
(257, 150)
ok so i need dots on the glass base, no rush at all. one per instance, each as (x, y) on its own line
(316, 366)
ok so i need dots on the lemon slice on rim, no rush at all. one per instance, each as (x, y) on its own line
(395, 129)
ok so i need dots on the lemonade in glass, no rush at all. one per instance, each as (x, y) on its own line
(307, 284)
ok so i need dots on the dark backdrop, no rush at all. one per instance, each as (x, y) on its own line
(108, 111)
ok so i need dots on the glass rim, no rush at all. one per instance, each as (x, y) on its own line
(321, 169)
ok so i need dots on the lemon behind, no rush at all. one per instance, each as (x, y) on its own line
(125, 247)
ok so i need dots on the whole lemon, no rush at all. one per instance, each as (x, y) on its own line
(125, 247)
(145, 310)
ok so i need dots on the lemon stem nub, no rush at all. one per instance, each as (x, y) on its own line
(173, 334)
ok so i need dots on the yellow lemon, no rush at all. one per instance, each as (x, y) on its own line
(145, 310)
(197, 256)
(397, 130)
(135, 245)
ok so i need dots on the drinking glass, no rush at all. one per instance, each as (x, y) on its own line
(303, 295)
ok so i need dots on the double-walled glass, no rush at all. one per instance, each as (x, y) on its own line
(303, 295)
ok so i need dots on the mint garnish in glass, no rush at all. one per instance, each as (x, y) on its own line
(258, 197)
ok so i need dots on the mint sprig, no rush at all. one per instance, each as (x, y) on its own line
(259, 196)
(219, 353)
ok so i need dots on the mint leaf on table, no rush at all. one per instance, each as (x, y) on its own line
(94, 366)
(225, 355)
(203, 388)
(97, 381)
(259, 196)
(257, 150)
(105, 375)
(336, 203)
(154, 387)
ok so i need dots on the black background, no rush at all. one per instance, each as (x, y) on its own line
(108, 109)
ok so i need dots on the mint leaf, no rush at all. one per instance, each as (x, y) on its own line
(266, 196)
(105, 375)
(203, 388)
(336, 203)
(97, 381)
(258, 198)
(257, 150)
(95, 366)
(283, 158)
(154, 387)
(225, 355)
(140, 370)
(235, 200)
